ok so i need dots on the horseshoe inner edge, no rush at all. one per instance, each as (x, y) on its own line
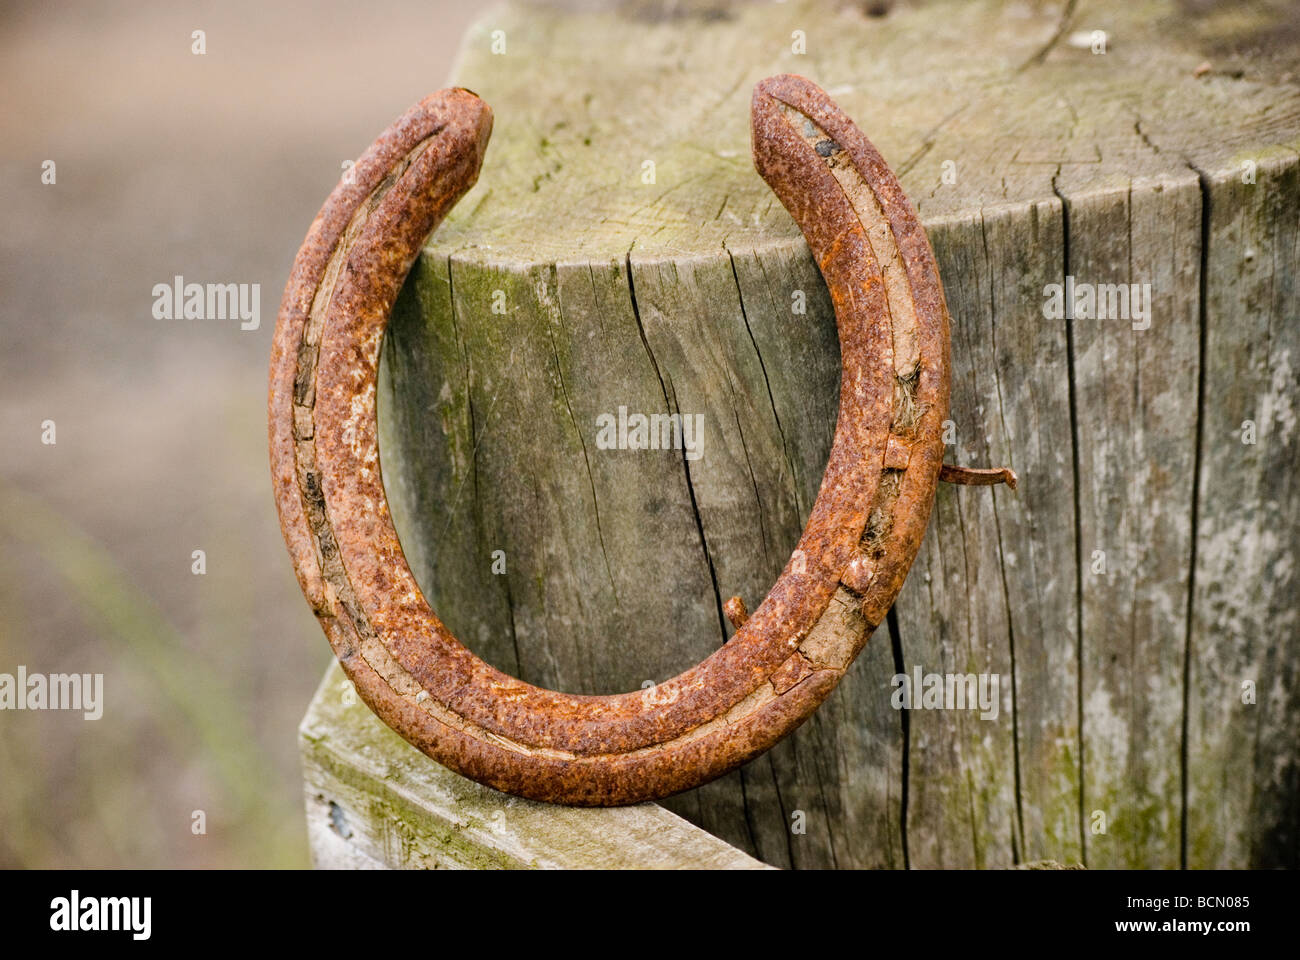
(864, 530)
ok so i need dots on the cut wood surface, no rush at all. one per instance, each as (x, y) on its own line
(1135, 598)
(374, 803)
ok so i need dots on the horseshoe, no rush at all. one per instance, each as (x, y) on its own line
(783, 660)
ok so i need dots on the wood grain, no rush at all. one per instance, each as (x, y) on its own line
(1033, 160)
(373, 803)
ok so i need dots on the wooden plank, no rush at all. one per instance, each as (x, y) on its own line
(1243, 696)
(433, 499)
(741, 486)
(1026, 416)
(1136, 444)
(969, 800)
(374, 801)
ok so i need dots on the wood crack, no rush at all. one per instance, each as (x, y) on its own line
(1078, 520)
(670, 406)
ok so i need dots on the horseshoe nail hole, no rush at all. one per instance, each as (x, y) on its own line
(877, 8)
(881, 521)
(867, 206)
(906, 410)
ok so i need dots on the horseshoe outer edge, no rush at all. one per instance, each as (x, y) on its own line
(787, 656)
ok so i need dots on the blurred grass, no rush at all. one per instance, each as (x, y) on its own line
(168, 163)
(192, 703)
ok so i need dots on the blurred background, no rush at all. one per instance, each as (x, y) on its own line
(166, 163)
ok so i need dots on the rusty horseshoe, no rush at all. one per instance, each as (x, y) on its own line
(785, 658)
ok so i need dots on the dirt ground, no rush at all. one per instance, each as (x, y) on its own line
(166, 163)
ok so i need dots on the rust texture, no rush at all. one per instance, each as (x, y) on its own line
(787, 656)
(736, 611)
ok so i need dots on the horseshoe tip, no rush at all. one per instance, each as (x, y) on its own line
(773, 84)
(463, 103)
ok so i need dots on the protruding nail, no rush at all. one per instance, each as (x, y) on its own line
(976, 477)
(736, 612)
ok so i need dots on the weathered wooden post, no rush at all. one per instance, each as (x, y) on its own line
(1113, 196)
